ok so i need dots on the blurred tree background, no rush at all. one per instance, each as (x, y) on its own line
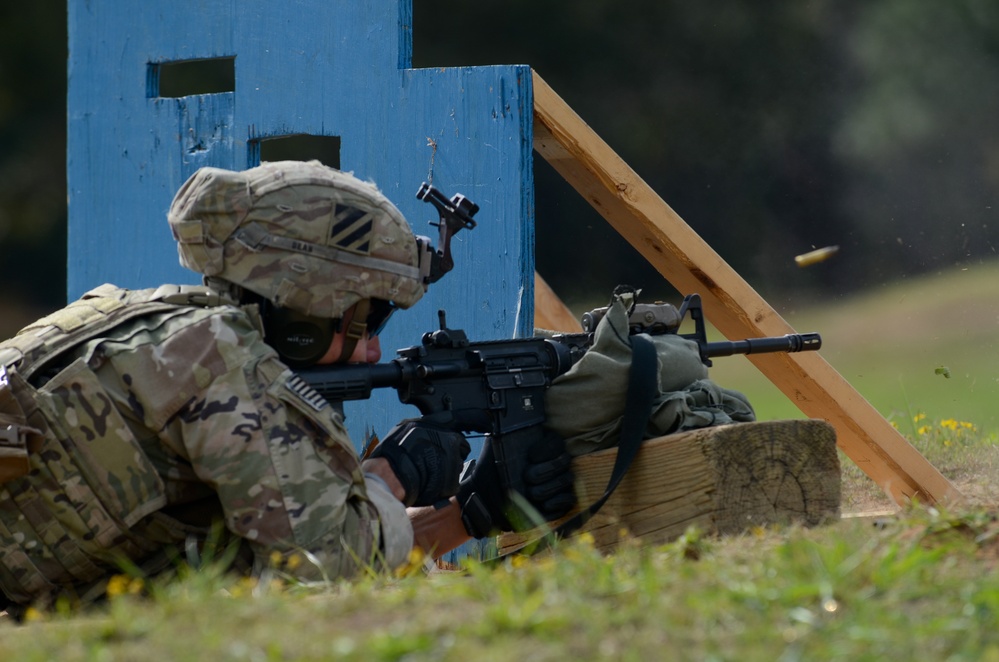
(33, 53)
(771, 128)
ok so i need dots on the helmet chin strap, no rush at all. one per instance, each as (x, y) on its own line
(355, 329)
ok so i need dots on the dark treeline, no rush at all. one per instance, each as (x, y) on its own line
(33, 54)
(771, 128)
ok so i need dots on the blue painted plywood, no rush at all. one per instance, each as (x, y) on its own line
(318, 67)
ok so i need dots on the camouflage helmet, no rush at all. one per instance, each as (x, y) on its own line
(305, 236)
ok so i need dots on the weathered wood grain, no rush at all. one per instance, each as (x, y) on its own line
(723, 480)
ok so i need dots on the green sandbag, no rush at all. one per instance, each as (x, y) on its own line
(586, 404)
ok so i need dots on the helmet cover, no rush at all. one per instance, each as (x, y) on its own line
(300, 234)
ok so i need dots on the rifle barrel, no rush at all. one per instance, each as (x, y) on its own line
(793, 342)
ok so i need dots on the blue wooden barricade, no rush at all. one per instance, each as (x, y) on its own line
(338, 71)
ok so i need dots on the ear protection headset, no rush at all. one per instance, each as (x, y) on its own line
(299, 339)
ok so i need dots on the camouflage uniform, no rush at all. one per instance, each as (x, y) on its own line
(131, 419)
(141, 435)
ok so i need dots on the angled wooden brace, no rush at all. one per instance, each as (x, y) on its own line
(735, 309)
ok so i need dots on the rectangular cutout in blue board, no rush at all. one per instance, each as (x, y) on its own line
(189, 77)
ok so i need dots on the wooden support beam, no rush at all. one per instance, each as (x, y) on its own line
(736, 310)
(549, 311)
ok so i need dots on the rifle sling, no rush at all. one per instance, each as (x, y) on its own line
(642, 389)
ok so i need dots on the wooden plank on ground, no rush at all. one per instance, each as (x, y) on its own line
(735, 309)
(723, 480)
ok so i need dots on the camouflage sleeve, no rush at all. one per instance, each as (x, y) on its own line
(397, 530)
(288, 479)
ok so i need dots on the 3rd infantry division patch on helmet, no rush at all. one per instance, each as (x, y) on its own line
(303, 235)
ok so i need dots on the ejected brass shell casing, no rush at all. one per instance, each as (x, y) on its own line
(816, 256)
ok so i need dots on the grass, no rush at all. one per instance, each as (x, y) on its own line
(920, 584)
(928, 345)
(965, 455)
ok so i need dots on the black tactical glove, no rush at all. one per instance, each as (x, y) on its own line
(425, 458)
(548, 481)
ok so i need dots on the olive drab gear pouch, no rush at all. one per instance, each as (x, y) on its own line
(586, 405)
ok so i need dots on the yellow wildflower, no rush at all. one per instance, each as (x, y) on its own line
(135, 585)
(32, 615)
(244, 586)
(546, 563)
(117, 585)
(519, 560)
(413, 564)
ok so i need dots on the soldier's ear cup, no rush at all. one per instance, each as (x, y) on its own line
(299, 339)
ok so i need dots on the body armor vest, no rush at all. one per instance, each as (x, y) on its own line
(73, 478)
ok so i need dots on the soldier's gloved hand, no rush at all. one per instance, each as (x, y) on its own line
(426, 459)
(548, 481)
